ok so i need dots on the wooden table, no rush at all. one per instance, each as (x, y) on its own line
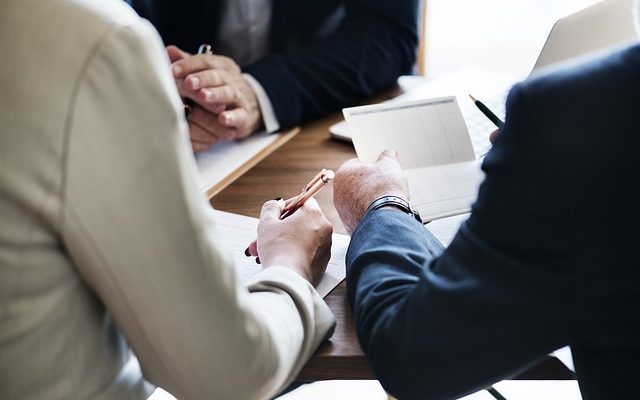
(283, 174)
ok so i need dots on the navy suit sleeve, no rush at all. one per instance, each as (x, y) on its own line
(439, 323)
(373, 45)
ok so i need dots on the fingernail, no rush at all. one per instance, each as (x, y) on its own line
(208, 95)
(246, 252)
(176, 70)
(194, 82)
(228, 119)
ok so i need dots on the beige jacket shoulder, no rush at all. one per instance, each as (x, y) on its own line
(105, 240)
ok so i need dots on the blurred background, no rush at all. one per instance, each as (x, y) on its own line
(500, 35)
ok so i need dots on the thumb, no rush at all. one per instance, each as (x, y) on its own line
(388, 153)
(388, 159)
(272, 209)
(176, 54)
(494, 135)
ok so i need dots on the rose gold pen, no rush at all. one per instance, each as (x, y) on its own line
(310, 189)
(314, 186)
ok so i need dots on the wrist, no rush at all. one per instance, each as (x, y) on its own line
(268, 119)
(393, 202)
(290, 262)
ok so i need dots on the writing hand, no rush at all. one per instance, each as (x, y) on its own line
(301, 242)
(357, 185)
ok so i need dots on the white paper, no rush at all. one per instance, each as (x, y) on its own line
(434, 149)
(338, 390)
(238, 231)
(445, 229)
(488, 86)
(225, 157)
(536, 390)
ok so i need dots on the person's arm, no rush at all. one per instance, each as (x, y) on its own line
(438, 323)
(374, 44)
(141, 237)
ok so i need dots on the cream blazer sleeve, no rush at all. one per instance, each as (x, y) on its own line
(139, 233)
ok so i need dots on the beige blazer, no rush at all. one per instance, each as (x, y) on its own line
(105, 238)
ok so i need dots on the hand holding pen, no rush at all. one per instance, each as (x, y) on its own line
(318, 182)
(492, 117)
(487, 112)
(291, 205)
(295, 234)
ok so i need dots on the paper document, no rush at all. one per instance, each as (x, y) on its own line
(531, 390)
(434, 149)
(488, 86)
(238, 231)
(226, 161)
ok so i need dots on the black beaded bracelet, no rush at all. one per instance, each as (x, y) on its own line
(395, 201)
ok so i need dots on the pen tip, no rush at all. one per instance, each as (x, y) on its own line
(472, 98)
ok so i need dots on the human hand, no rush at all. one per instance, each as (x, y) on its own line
(494, 135)
(226, 108)
(301, 241)
(356, 186)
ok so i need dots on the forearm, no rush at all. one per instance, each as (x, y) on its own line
(142, 239)
(442, 325)
(386, 257)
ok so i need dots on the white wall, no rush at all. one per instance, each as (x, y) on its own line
(500, 35)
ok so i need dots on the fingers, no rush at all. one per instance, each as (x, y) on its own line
(199, 135)
(388, 153)
(203, 123)
(252, 249)
(494, 135)
(206, 78)
(201, 62)
(218, 95)
(271, 210)
(234, 118)
(176, 54)
(311, 205)
(199, 147)
(388, 160)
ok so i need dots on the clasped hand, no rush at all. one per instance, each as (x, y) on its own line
(224, 106)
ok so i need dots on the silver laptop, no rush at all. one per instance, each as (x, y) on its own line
(594, 29)
(597, 28)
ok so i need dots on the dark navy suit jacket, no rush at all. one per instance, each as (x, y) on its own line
(327, 54)
(548, 257)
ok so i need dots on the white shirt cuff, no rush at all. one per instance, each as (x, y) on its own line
(266, 108)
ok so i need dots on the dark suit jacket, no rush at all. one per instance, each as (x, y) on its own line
(548, 257)
(327, 54)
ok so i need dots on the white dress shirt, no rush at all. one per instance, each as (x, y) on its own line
(105, 239)
(245, 36)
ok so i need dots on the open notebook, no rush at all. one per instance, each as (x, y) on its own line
(434, 149)
(238, 231)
